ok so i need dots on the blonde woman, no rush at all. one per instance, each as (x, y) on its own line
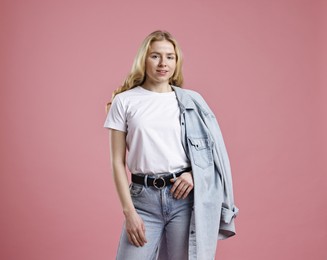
(170, 150)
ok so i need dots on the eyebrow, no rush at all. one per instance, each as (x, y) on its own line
(154, 52)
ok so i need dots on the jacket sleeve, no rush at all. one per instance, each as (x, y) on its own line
(221, 160)
(222, 165)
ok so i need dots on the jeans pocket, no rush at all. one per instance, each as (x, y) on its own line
(136, 189)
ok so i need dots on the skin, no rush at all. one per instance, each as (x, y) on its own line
(160, 66)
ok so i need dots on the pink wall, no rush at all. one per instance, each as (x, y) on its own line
(260, 65)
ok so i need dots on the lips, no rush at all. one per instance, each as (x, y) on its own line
(162, 72)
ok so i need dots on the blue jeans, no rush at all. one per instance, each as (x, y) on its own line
(164, 218)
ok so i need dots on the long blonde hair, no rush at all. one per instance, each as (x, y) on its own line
(137, 75)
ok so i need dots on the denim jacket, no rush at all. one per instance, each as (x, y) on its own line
(214, 210)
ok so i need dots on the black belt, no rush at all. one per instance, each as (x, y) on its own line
(158, 182)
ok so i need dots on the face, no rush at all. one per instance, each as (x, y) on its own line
(160, 62)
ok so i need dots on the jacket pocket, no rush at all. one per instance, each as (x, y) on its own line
(201, 149)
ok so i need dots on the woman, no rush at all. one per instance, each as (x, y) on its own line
(179, 165)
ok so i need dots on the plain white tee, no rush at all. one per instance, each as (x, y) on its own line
(152, 123)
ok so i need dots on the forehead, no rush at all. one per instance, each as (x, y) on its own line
(162, 47)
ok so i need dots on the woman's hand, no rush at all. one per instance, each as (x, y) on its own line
(135, 229)
(182, 185)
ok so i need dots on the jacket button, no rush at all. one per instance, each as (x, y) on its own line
(192, 232)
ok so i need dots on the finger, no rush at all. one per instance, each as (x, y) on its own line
(130, 240)
(140, 242)
(176, 184)
(133, 240)
(141, 237)
(187, 192)
(180, 188)
(180, 191)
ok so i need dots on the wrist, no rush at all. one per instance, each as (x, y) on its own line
(129, 211)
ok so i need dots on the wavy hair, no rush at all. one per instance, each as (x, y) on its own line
(137, 75)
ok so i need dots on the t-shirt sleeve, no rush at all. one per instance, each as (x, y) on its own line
(116, 117)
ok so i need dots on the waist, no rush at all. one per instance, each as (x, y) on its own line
(160, 180)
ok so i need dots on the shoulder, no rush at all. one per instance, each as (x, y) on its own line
(128, 93)
(197, 98)
(195, 95)
(124, 98)
(191, 93)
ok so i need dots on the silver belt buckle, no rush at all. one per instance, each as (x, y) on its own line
(159, 183)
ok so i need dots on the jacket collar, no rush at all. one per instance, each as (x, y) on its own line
(184, 98)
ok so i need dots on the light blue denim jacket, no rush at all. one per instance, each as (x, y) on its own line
(214, 209)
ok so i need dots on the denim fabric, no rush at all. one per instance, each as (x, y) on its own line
(214, 209)
(164, 218)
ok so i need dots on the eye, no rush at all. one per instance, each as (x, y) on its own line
(171, 57)
(154, 56)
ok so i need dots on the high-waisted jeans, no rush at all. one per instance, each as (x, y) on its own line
(164, 218)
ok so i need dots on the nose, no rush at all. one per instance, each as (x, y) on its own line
(162, 62)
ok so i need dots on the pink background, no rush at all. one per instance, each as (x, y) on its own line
(261, 65)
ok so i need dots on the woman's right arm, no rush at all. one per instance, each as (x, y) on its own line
(134, 224)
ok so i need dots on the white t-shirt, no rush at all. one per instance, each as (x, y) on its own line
(152, 123)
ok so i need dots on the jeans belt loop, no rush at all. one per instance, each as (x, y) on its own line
(174, 175)
(146, 181)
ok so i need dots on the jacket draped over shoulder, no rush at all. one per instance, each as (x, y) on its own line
(214, 210)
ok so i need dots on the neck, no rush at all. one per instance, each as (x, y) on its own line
(160, 88)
